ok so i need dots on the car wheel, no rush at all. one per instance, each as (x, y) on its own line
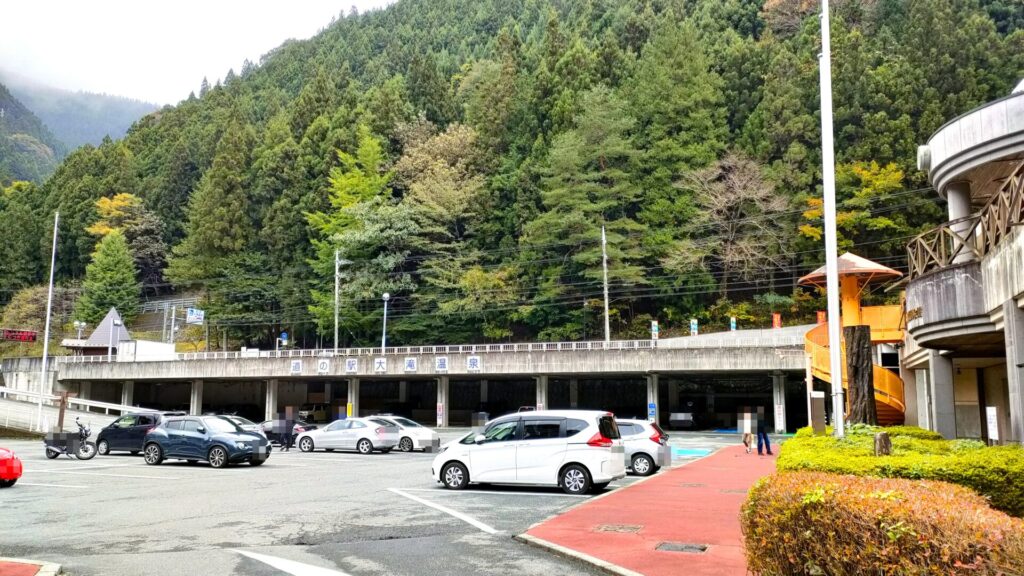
(306, 444)
(364, 446)
(218, 457)
(153, 454)
(643, 465)
(7, 483)
(454, 476)
(575, 480)
(256, 462)
(103, 447)
(405, 444)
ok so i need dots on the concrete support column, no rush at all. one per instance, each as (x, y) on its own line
(779, 396)
(127, 393)
(403, 390)
(574, 392)
(483, 392)
(909, 378)
(85, 390)
(270, 410)
(1013, 330)
(673, 396)
(542, 391)
(924, 402)
(353, 398)
(652, 398)
(958, 195)
(940, 389)
(328, 393)
(196, 398)
(442, 402)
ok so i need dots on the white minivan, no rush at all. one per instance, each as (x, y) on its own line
(574, 449)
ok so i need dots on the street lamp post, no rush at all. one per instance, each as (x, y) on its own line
(79, 326)
(384, 333)
(114, 325)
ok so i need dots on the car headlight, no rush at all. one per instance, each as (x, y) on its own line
(241, 445)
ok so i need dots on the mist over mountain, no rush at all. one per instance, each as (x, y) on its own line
(77, 118)
(28, 150)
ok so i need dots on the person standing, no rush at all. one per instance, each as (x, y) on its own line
(762, 433)
(289, 429)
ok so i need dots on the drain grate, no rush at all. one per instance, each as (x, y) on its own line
(683, 547)
(625, 528)
(692, 485)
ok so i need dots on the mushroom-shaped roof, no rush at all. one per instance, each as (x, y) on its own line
(853, 265)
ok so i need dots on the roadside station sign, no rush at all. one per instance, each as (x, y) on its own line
(18, 335)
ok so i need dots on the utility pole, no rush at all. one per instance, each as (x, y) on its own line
(174, 319)
(604, 264)
(828, 180)
(337, 265)
(46, 332)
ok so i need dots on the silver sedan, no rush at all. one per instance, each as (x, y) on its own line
(360, 434)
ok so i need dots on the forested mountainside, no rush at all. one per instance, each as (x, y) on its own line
(77, 118)
(28, 151)
(462, 155)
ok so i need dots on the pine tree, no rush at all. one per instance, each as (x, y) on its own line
(110, 282)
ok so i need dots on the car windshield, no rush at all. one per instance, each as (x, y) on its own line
(218, 424)
(406, 422)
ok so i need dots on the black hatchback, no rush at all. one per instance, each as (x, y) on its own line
(126, 433)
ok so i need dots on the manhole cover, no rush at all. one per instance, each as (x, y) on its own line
(692, 485)
(627, 528)
(683, 547)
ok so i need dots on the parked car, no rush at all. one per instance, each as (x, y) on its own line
(127, 432)
(300, 426)
(646, 444)
(10, 468)
(315, 412)
(360, 434)
(246, 424)
(576, 450)
(411, 435)
(214, 439)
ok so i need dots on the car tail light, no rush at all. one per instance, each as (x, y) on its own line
(380, 430)
(599, 441)
(657, 437)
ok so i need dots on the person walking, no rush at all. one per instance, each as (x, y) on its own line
(762, 434)
(288, 436)
(745, 428)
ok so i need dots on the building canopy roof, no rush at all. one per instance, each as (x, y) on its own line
(853, 265)
(110, 331)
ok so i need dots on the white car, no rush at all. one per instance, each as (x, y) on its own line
(246, 424)
(412, 435)
(360, 434)
(575, 450)
(647, 448)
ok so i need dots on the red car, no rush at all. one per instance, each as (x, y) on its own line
(10, 468)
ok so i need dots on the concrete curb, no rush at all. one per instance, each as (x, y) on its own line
(45, 568)
(602, 565)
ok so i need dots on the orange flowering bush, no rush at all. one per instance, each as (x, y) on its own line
(815, 523)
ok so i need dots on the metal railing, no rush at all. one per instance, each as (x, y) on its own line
(888, 385)
(702, 342)
(50, 399)
(975, 235)
(161, 305)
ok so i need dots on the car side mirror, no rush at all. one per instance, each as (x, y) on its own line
(480, 439)
(201, 430)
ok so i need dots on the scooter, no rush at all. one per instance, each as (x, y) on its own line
(62, 443)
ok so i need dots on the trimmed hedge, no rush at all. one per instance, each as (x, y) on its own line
(811, 523)
(995, 472)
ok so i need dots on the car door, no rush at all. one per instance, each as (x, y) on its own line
(333, 435)
(193, 439)
(172, 444)
(541, 450)
(356, 430)
(117, 434)
(134, 435)
(494, 459)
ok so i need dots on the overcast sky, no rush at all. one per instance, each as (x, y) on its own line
(155, 51)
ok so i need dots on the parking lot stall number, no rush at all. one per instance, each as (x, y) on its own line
(380, 365)
(410, 364)
(351, 365)
(323, 366)
(473, 364)
(296, 367)
(441, 364)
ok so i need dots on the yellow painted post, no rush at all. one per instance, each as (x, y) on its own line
(849, 290)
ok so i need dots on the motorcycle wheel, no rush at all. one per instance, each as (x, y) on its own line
(86, 451)
(51, 453)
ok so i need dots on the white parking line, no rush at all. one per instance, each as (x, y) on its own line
(103, 474)
(494, 492)
(291, 566)
(449, 511)
(72, 466)
(50, 485)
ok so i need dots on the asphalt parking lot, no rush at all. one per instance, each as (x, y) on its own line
(311, 514)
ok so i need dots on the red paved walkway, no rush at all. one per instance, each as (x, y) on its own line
(17, 569)
(697, 503)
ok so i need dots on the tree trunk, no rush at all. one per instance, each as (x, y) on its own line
(860, 375)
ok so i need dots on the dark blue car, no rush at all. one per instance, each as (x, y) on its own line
(214, 439)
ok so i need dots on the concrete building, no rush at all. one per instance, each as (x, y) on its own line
(963, 359)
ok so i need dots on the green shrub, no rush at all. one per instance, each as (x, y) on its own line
(811, 523)
(995, 472)
(866, 430)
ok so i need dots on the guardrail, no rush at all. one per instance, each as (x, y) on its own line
(7, 393)
(161, 305)
(975, 235)
(590, 346)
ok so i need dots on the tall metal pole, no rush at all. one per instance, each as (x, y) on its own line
(46, 330)
(384, 333)
(828, 177)
(336, 288)
(604, 264)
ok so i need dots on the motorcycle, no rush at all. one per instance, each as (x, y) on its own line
(70, 444)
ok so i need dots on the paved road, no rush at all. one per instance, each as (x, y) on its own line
(350, 514)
